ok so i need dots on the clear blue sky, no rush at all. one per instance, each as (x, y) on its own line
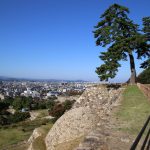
(52, 39)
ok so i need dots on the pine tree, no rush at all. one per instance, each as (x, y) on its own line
(122, 36)
(146, 30)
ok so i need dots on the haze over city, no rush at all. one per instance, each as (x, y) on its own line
(53, 39)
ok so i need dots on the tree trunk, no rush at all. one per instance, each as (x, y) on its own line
(132, 67)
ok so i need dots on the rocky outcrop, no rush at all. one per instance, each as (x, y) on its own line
(93, 105)
(36, 133)
(75, 123)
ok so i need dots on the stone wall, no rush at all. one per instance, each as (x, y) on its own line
(36, 133)
(93, 105)
(145, 88)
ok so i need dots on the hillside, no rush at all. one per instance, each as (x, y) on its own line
(144, 77)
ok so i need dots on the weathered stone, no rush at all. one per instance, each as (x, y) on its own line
(93, 105)
(75, 123)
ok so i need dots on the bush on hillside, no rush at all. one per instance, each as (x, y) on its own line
(144, 77)
(3, 105)
(68, 104)
(8, 100)
(19, 116)
(3, 120)
(22, 102)
(50, 104)
(58, 109)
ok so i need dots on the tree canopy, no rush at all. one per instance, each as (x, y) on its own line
(123, 38)
(146, 30)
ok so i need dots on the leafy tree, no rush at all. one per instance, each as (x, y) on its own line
(122, 37)
(19, 116)
(50, 104)
(22, 102)
(26, 102)
(9, 100)
(17, 103)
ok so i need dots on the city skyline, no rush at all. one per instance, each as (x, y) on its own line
(54, 40)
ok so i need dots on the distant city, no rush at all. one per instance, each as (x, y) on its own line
(39, 89)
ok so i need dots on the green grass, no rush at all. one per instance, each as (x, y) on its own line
(19, 132)
(39, 143)
(134, 110)
(12, 136)
(42, 113)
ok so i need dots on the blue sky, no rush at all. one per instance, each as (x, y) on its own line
(52, 39)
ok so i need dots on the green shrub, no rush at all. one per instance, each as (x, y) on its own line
(8, 100)
(3, 106)
(68, 104)
(3, 120)
(50, 104)
(22, 102)
(144, 77)
(19, 116)
(41, 105)
(59, 109)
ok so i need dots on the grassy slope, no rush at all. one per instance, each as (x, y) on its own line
(21, 131)
(134, 110)
(12, 136)
(39, 143)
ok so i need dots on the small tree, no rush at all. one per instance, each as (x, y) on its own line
(17, 103)
(118, 32)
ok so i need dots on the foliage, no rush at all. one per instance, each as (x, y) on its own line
(68, 104)
(146, 30)
(17, 104)
(50, 104)
(57, 111)
(4, 117)
(19, 116)
(60, 108)
(144, 77)
(118, 32)
(3, 120)
(3, 105)
(9, 100)
(41, 105)
(22, 102)
(8, 118)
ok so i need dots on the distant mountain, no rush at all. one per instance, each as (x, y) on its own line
(3, 78)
